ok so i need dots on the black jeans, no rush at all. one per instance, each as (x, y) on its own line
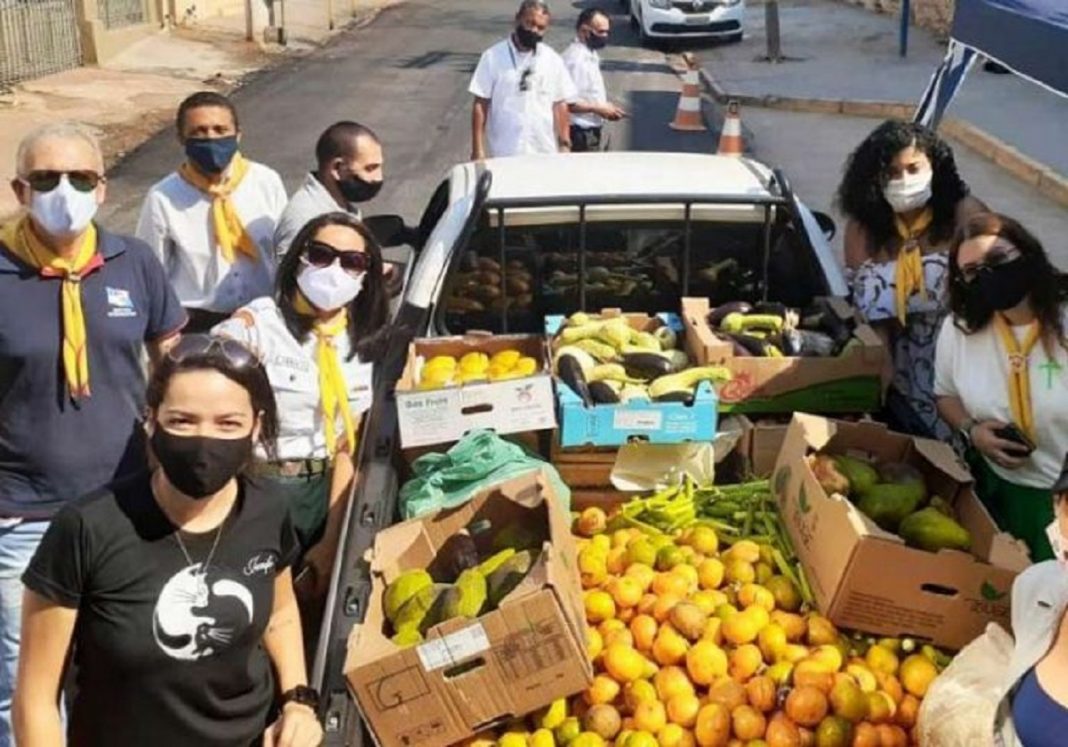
(585, 138)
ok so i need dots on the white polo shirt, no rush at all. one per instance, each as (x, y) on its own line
(584, 66)
(176, 222)
(294, 374)
(521, 122)
(975, 369)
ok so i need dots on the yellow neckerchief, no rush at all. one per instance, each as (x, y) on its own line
(24, 244)
(908, 276)
(230, 233)
(1019, 371)
(333, 392)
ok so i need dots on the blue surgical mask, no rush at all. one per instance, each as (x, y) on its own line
(211, 155)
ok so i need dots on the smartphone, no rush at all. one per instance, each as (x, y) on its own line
(1012, 433)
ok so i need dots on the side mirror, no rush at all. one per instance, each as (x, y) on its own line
(826, 223)
(388, 229)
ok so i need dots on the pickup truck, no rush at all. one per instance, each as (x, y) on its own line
(504, 242)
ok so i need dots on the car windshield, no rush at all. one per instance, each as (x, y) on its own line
(510, 278)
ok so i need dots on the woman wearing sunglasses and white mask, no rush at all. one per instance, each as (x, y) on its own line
(1001, 371)
(317, 339)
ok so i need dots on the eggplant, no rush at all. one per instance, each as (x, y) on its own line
(645, 365)
(569, 369)
(603, 393)
(770, 307)
(816, 344)
(720, 312)
(821, 317)
(752, 345)
(677, 395)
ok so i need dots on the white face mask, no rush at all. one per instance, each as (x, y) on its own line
(329, 288)
(1057, 542)
(64, 212)
(910, 192)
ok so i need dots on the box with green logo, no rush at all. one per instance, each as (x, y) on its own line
(867, 579)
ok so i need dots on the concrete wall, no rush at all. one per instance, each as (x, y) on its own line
(99, 43)
(936, 15)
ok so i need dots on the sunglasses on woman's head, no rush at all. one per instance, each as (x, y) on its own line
(46, 181)
(319, 254)
(199, 345)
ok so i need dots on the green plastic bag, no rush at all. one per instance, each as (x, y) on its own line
(477, 461)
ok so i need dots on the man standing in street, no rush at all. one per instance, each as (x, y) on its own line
(212, 221)
(348, 172)
(78, 307)
(590, 108)
(521, 91)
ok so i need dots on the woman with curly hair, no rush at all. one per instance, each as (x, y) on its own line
(904, 200)
(1002, 371)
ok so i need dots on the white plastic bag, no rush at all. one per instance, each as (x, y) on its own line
(958, 710)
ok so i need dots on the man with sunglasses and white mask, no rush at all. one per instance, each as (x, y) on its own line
(212, 221)
(521, 91)
(78, 307)
(591, 107)
(318, 338)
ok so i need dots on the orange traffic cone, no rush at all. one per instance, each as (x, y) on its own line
(730, 139)
(688, 115)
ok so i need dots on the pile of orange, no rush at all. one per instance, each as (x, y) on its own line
(698, 645)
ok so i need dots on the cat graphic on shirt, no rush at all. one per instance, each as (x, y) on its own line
(198, 616)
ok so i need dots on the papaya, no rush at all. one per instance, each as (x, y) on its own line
(466, 597)
(422, 611)
(887, 505)
(508, 575)
(403, 588)
(930, 529)
(861, 474)
(905, 475)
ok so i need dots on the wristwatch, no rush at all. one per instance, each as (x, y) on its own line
(302, 695)
(965, 430)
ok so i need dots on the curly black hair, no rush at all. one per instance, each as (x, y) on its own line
(1049, 287)
(860, 195)
(368, 312)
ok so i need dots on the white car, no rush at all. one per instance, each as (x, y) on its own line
(687, 19)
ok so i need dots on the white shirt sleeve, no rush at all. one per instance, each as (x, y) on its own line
(152, 226)
(945, 357)
(485, 76)
(565, 87)
(243, 328)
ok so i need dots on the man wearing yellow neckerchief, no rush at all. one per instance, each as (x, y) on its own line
(212, 221)
(78, 307)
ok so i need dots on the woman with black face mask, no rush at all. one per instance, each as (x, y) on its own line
(318, 337)
(173, 587)
(1001, 371)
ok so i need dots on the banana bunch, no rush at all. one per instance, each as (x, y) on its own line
(606, 361)
(476, 367)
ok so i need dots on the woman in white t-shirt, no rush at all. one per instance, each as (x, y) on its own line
(1001, 371)
(317, 339)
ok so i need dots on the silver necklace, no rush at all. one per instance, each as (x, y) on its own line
(202, 574)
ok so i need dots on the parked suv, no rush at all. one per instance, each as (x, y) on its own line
(507, 241)
(687, 19)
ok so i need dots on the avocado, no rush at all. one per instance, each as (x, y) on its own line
(930, 529)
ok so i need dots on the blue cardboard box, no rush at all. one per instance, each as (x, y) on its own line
(645, 420)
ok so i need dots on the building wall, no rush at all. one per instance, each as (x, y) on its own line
(936, 15)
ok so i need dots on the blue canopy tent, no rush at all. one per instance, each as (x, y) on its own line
(1029, 37)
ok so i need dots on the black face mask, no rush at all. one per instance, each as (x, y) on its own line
(355, 189)
(197, 465)
(527, 39)
(1002, 286)
(595, 42)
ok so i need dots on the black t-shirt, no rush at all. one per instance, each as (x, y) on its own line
(165, 656)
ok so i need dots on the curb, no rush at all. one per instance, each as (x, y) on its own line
(1046, 180)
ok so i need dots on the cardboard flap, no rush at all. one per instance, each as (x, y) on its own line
(942, 456)
(522, 490)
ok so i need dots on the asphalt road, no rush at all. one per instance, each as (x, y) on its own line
(406, 77)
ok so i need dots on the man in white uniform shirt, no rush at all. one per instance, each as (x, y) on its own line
(521, 91)
(212, 221)
(590, 107)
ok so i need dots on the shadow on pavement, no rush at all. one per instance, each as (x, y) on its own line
(651, 113)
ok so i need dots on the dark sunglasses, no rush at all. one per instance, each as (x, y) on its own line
(997, 257)
(46, 181)
(319, 254)
(200, 345)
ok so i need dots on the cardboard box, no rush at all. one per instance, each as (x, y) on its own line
(584, 466)
(765, 443)
(442, 415)
(656, 422)
(867, 579)
(849, 382)
(469, 676)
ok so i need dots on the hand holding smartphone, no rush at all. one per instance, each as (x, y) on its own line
(1012, 433)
